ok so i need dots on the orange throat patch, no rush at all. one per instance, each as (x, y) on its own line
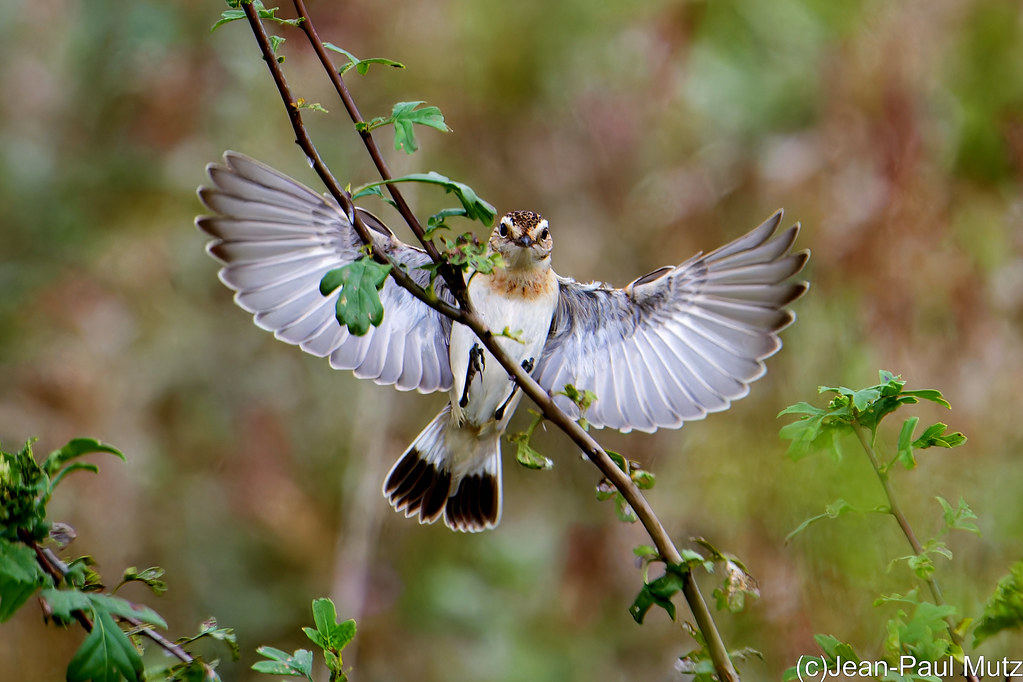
(523, 283)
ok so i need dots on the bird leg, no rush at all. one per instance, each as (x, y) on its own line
(527, 365)
(476, 364)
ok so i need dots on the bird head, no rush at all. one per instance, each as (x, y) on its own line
(523, 238)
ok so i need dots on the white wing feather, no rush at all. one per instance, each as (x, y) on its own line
(277, 239)
(680, 342)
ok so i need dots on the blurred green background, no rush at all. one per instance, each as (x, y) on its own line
(645, 131)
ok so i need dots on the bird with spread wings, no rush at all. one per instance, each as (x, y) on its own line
(670, 347)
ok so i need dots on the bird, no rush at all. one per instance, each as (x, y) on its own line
(671, 346)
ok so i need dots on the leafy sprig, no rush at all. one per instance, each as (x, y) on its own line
(404, 117)
(330, 635)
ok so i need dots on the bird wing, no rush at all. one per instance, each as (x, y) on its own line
(679, 342)
(277, 239)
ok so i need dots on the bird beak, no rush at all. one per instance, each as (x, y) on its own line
(525, 241)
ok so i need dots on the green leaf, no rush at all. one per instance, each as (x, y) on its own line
(527, 455)
(905, 448)
(467, 253)
(298, 664)
(475, 207)
(624, 511)
(126, 609)
(925, 635)
(329, 633)
(64, 602)
(929, 394)
(106, 655)
(935, 436)
(1004, 609)
(151, 577)
(227, 16)
(358, 305)
(20, 577)
(75, 448)
(659, 592)
(646, 553)
(959, 518)
(406, 115)
(643, 479)
(361, 65)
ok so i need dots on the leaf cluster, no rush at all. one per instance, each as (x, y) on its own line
(73, 591)
(358, 305)
(927, 630)
(819, 428)
(330, 635)
(26, 486)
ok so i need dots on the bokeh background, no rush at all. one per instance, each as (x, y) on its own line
(645, 131)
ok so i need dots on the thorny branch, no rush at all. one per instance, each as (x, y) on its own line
(465, 315)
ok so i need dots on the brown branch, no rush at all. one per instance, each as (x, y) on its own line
(59, 571)
(465, 315)
(366, 135)
(343, 198)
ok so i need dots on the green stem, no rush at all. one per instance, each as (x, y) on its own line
(907, 530)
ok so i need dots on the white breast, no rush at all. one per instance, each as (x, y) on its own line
(527, 319)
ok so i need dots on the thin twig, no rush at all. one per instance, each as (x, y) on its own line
(895, 510)
(59, 571)
(367, 138)
(343, 198)
(465, 315)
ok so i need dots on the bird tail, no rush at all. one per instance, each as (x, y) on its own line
(449, 470)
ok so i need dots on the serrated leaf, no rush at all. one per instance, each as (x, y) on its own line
(1004, 609)
(63, 603)
(358, 305)
(106, 655)
(958, 518)
(405, 116)
(20, 577)
(298, 664)
(835, 648)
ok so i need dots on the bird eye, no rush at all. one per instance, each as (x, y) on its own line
(545, 234)
(503, 230)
